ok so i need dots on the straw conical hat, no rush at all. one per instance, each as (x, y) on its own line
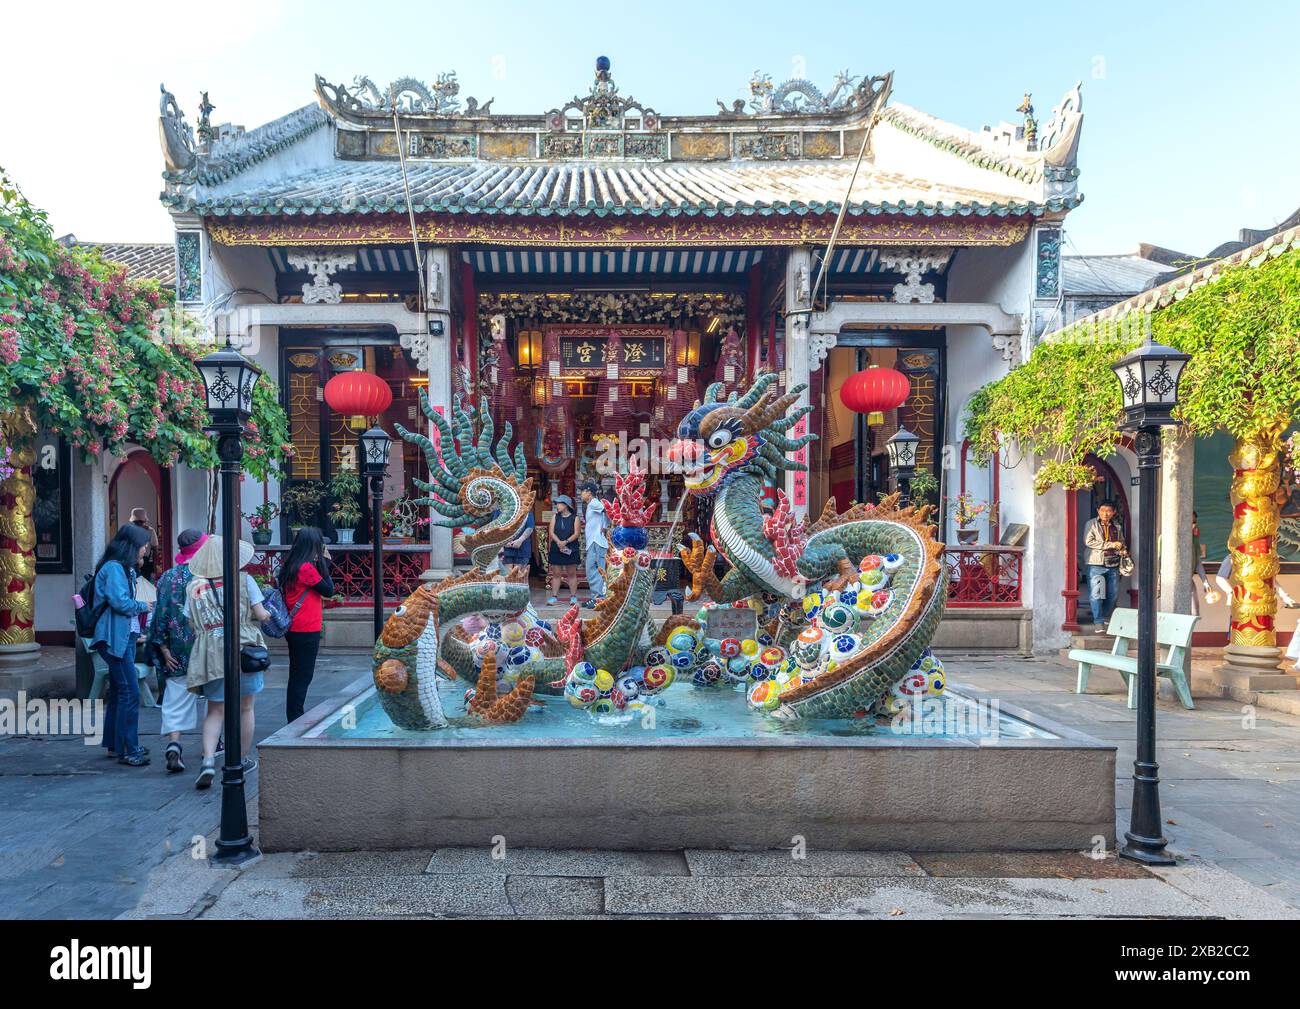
(206, 562)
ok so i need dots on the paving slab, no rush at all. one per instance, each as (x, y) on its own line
(1027, 865)
(813, 863)
(557, 862)
(550, 896)
(853, 896)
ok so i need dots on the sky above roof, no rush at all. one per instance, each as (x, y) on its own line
(1184, 139)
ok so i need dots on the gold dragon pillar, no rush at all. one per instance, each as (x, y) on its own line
(18, 543)
(1252, 656)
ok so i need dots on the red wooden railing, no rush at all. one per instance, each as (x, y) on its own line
(351, 570)
(984, 575)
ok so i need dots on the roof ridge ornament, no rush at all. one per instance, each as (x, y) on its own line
(800, 96)
(175, 133)
(406, 94)
(603, 108)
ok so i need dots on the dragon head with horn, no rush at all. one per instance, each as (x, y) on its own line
(721, 439)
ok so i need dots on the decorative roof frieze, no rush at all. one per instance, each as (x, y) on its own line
(798, 96)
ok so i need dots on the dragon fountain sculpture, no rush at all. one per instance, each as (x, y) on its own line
(854, 598)
(455, 627)
(880, 565)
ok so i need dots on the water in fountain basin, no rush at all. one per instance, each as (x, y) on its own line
(684, 711)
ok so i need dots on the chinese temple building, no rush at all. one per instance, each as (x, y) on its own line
(585, 272)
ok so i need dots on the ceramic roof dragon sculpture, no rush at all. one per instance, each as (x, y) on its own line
(727, 450)
(477, 483)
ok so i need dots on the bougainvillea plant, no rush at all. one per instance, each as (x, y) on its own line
(102, 359)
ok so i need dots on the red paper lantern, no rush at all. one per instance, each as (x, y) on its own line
(874, 391)
(358, 394)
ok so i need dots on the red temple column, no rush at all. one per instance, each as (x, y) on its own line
(753, 300)
(1071, 590)
(469, 331)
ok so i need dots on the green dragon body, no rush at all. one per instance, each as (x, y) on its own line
(727, 450)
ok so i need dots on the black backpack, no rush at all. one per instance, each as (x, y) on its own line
(87, 615)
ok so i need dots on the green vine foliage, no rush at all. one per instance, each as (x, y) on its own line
(105, 360)
(1242, 330)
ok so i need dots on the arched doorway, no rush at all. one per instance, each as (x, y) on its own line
(1081, 505)
(139, 482)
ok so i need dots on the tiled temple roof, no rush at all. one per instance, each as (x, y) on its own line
(791, 149)
(143, 260)
(601, 189)
(1123, 274)
(1167, 293)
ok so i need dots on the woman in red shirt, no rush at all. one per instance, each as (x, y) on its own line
(305, 580)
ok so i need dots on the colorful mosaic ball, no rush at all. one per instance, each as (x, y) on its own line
(729, 647)
(880, 600)
(874, 579)
(630, 536)
(656, 656)
(603, 706)
(843, 645)
(657, 678)
(892, 562)
(493, 631)
(766, 695)
(749, 647)
(584, 671)
(807, 654)
(811, 602)
(681, 660)
(512, 632)
(520, 655)
(870, 562)
(708, 674)
(838, 616)
(534, 637)
(628, 686)
(579, 694)
(604, 681)
(773, 655)
(760, 671)
(683, 639)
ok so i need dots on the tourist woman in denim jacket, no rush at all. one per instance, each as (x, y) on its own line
(121, 621)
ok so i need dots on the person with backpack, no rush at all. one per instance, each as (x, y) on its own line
(304, 581)
(205, 606)
(118, 618)
(172, 637)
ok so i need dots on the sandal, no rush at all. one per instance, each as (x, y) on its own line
(551, 601)
(134, 760)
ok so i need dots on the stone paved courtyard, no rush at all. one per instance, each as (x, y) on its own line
(81, 836)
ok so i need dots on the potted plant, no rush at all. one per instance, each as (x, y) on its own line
(346, 512)
(965, 510)
(398, 520)
(260, 519)
(302, 502)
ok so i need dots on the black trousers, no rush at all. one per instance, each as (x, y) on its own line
(303, 646)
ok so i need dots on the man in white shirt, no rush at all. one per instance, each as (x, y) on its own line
(595, 523)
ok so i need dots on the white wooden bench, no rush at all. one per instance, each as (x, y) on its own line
(1172, 629)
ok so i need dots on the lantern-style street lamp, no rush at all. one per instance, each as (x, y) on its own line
(228, 381)
(375, 446)
(1148, 380)
(902, 459)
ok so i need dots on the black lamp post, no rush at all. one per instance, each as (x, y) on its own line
(902, 460)
(375, 446)
(1148, 380)
(228, 380)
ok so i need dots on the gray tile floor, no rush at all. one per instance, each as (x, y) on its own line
(81, 836)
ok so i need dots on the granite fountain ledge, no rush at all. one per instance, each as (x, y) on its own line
(872, 793)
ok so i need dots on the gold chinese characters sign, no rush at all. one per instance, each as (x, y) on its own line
(627, 230)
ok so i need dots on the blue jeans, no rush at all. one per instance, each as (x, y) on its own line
(122, 703)
(595, 574)
(1103, 587)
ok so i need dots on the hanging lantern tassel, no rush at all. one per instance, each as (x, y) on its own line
(875, 391)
